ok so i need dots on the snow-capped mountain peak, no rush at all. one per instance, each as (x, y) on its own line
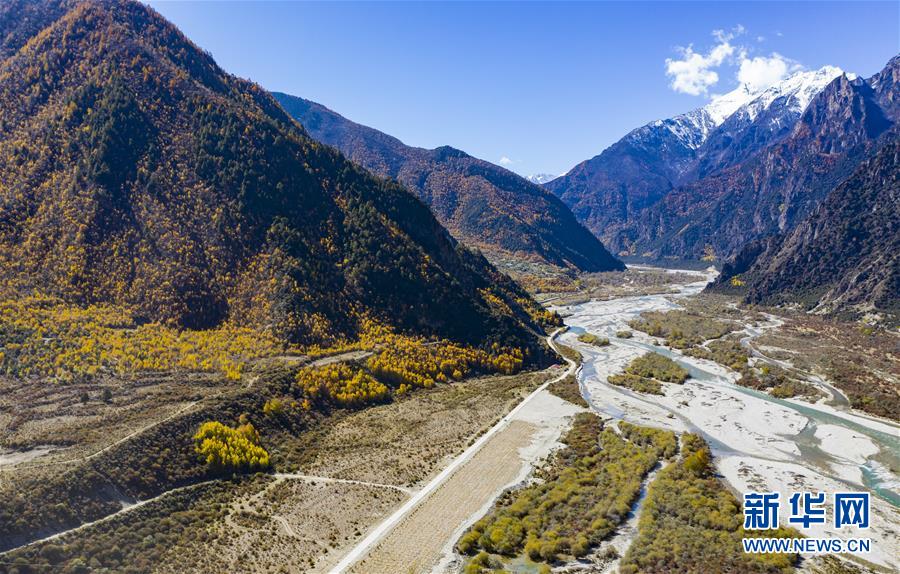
(693, 128)
(797, 89)
(721, 107)
(794, 94)
(541, 178)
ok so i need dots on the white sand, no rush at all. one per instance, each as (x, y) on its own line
(864, 419)
(757, 442)
(849, 448)
(746, 474)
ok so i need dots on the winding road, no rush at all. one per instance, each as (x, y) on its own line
(348, 356)
(341, 357)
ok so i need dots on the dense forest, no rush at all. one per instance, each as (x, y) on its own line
(137, 173)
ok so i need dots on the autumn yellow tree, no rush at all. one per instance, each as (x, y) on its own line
(224, 448)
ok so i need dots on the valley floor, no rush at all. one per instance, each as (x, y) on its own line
(398, 484)
(760, 443)
(422, 532)
(337, 482)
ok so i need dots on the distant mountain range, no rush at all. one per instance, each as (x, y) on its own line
(482, 204)
(612, 192)
(541, 178)
(777, 187)
(781, 183)
(136, 172)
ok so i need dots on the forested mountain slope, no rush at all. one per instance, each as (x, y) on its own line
(136, 172)
(483, 205)
(845, 257)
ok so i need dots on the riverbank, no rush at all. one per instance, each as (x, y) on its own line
(760, 443)
(424, 529)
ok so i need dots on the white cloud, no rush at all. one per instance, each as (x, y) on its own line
(506, 161)
(695, 73)
(761, 72)
(722, 36)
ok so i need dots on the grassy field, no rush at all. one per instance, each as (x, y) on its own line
(568, 289)
(81, 418)
(404, 442)
(284, 525)
(861, 361)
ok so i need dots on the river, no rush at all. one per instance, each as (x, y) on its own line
(759, 442)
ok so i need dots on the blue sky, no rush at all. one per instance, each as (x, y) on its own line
(543, 85)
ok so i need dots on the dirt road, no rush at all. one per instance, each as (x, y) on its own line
(443, 511)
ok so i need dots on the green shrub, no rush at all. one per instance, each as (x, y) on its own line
(644, 374)
(586, 491)
(691, 523)
(729, 353)
(568, 390)
(636, 383)
(776, 382)
(656, 366)
(592, 339)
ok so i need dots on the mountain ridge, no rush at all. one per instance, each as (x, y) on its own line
(777, 187)
(139, 173)
(483, 205)
(844, 258)
(611, 189)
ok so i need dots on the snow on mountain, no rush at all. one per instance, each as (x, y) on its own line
(792, 94)
(540, 178)
(617, 193)
(796, 92)
(721, 107)
(691, 128)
